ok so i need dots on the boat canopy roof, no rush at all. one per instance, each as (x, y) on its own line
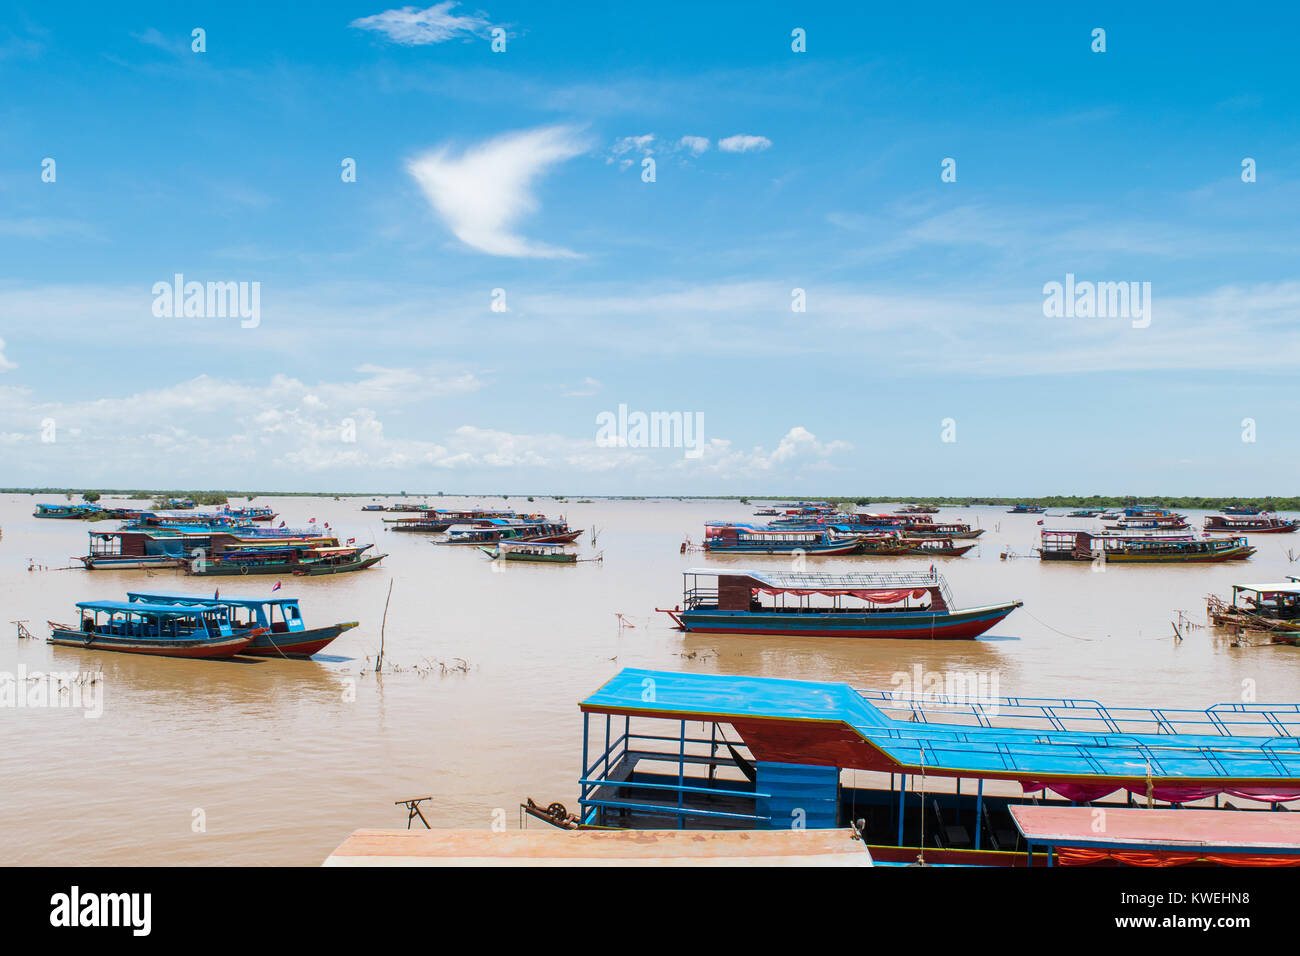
(1284, 587)
(810, 582)
(163, 596)
(140, 607)
(1159, 829)
(1073, 746)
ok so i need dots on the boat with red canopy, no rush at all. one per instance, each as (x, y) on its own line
(1258, 524)
(898, 605)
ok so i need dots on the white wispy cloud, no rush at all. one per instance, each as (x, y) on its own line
(411, 26)
(482, 194)
(695, 144)
(5, 364)
(743, 143)
(588, 386)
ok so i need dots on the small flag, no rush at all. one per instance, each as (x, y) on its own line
(352, 540)
(312, 521)
(277, 586)
(281, 524)
(1040, 522)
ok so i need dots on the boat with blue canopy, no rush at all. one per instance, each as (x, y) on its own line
(160, 629)
(276, 622)
(918, 773)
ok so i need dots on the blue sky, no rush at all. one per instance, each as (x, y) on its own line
(774, 170)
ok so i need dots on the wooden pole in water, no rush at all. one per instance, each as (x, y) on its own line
(379, 664)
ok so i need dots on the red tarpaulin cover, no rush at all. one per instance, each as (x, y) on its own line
(875, 595)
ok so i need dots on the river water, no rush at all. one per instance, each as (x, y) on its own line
(275, 762)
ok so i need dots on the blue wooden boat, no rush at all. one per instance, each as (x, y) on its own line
(163, 630)
(276, 621)
(1026, 510)
(709, 751)
(727, 538)
(800, 604)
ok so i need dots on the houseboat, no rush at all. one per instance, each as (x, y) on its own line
(1241, 510)
(740, 539)
(1259, 524)
(1084, 514)
(1172, 548)
(918, 510)
(929, 775)
(150, 547)
(1026, 510)
(905, 604)
(164, 630)
(276, 623)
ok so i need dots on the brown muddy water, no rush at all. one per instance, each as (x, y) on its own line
(279, 760)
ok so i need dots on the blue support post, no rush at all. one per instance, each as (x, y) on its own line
(902, 804)
(681, 779)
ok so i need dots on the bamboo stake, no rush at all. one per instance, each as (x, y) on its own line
(379, 662)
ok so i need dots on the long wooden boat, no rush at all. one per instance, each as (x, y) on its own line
(67, 511)
(276, 622)
(1259, 524)
(1175, 548)
(909, 525)
(1026, 510)
(801, 604)
(492, 531)
(336, 565)
(933, 774)
(296, 559)
(163, 630)
(251, 513)
(936, 547)
(1147, 523)
(534, 551)
(744, 539)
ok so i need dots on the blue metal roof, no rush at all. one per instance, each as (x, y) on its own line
(1268, 749)
(140, 607)
(204, 599)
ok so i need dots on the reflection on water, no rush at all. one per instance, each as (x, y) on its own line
(280, 760)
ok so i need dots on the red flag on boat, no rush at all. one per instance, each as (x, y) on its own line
(281, 524)
(1040, 522)
(312, 521)
(352, 540)
(277, 586)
